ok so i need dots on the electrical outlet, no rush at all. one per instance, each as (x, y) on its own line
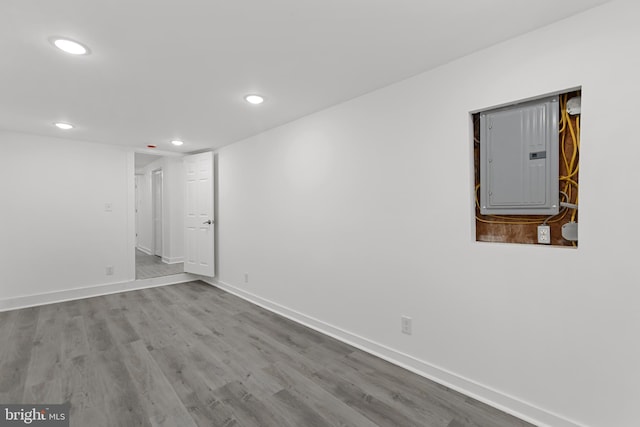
(109, 270)
(405, 325)
(544, 234)
(246, 277)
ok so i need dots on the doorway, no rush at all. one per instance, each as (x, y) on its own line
(158, 193)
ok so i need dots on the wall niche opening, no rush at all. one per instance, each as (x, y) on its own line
(526, 171)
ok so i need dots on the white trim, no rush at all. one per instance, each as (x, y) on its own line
(175, 260)
(131, 217)
(500, 400)
(15, 303)
(145, 250)
(155, 213)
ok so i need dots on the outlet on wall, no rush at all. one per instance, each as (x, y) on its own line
(246, 277)
(109, 270)
(406, 324)
(544, 234)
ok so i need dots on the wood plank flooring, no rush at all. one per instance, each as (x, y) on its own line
(193, 355)
(148, 266)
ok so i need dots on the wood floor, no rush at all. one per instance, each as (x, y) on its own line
(193, 355)
(148, 266)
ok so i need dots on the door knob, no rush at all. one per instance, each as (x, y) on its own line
(208, 222)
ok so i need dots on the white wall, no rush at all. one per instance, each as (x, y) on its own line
(55, 234)
(174, 205)
(145, 210)
(172, 208)
(351, 217)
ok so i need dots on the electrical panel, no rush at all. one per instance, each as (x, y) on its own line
(519, 159)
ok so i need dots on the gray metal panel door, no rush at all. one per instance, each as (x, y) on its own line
(519, 159)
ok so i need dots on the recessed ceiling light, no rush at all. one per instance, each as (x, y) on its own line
(70, 46)
(177, 142)
(254, 99)
(63, 126)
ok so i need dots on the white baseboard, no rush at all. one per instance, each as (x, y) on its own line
(485, 394)
(91, 291)
(145, 250)
(174, 260)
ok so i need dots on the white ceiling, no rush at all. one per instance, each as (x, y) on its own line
(166, 69)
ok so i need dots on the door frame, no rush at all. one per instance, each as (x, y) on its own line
(136, 207)
(157, 211)
(131, 211)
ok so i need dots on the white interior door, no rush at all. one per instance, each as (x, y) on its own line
(199, 230)
(157, 212)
